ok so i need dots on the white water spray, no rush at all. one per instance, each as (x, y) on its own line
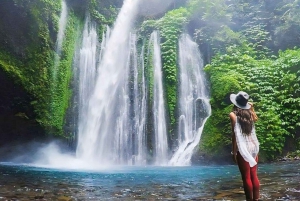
(160, 130)
(106, 136)
(87, 70)
(193, 101)
(51, 155)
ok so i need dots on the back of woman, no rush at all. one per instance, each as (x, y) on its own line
(246, 139)
(245, 145)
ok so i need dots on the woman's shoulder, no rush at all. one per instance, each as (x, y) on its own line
(232, 115)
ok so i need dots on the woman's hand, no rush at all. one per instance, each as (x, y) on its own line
(234, 157)
(234, 145)
(254, 116)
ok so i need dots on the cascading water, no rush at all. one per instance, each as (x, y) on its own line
(107, 134)
(113, 99)
(160, 130)
(139, 106)
(105, 37)
(87, 71)
(141, 139)
(60, 36)
(194, 107)
(124, 140)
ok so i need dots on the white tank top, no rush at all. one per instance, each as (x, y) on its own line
(247, 145)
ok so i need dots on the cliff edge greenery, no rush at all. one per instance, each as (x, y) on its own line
(28, 37)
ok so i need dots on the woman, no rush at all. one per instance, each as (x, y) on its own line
(245, 146)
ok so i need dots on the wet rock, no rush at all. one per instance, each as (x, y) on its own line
(38, 197)
(64, 198)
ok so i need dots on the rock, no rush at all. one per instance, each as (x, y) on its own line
(64, 198)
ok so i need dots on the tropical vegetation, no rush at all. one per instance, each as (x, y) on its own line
(252, 46)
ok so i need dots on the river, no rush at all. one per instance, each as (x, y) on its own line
(279, 181)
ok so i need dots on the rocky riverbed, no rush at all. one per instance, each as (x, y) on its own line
(279, 181)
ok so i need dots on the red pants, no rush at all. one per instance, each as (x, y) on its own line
(250, 179)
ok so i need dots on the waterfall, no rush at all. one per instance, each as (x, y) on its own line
(194, 107)
(62, 23)
(160, 130)
(87, 71)
(140, 109)
(105, 37)
(107, 134)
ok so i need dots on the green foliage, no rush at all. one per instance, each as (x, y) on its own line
(223, 38)
(279, 18)
(147, 28)
(258, 39)
(31, 70)
(225, 80)
(286, 32)
(8, 63)
(273, 87)
(103, 13)
(60, 90)
(171, 26)
(211, 20)
(216, 137)
(288, 94)
(32, 65)
(150, 72)
(270, 131)
(213, 11)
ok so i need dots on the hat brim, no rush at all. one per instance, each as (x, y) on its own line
(232, 99)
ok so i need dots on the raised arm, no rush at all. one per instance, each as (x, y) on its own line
(233, 139)
(253, 113)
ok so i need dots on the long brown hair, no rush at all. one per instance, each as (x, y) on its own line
(245, 119)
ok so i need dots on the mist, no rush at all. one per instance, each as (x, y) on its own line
(154, 7)
(54, 154)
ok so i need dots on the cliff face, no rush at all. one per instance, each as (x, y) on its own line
(14, 30)
(17, 117)
(35, 89)
(30, 97)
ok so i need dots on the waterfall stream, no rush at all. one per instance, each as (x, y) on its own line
(194, 107)
(140, 109)
(159, 116)
(106, 134)
(62, 23)
(122, 115)
(113, 101)
(87, 75)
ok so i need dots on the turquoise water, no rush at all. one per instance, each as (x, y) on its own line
(23, 182)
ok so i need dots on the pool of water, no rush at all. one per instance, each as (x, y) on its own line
(279, 181)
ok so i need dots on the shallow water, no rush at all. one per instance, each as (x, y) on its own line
(279, 181)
